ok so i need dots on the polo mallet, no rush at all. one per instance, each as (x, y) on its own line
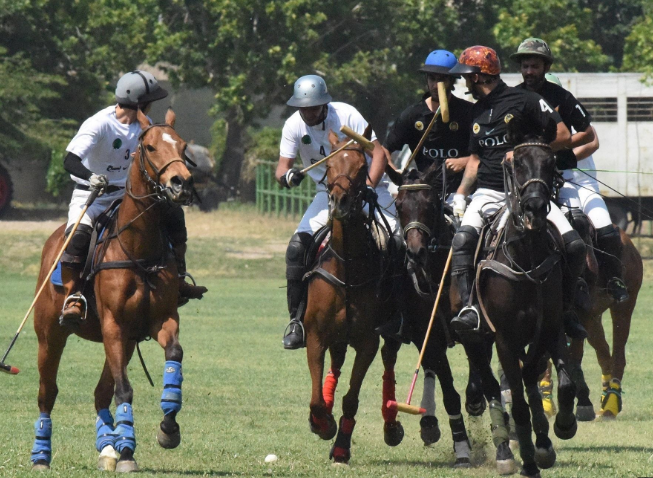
(443, 110)
(407, 407)
(355, 137)
(9, 368)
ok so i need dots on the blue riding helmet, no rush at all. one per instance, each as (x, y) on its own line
(439, 61)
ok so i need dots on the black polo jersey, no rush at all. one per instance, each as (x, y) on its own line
(572, 112)
(450, 140)
(491, 115)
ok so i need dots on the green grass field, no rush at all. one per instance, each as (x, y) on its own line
(245, 397)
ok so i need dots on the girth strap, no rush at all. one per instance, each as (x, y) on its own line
(533, 275)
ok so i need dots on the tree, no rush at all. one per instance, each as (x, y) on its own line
(638, 47)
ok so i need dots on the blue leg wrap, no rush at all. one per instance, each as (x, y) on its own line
(172, 378)
(42, 450)
(124, 431)
(104, 428)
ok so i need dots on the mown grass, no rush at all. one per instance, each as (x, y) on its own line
(245, 397)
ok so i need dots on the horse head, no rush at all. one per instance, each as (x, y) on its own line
(418, 207)
(346, 176)
(161, 159)
(529, 177)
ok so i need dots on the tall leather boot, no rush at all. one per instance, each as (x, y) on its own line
(609, 242)
(294, 336)
(575, 252)
(462, 270)
(187, 291)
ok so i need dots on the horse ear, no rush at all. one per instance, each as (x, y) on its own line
(368, 132)
(515, 132)
(550, 132)
(333, 138)
(170, 117)
(432, 173)
(394, 175)
(142, 119)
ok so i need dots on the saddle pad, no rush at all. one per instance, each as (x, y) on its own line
(55, 278)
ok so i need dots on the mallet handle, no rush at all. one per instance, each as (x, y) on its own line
(444, 102)
(308, 168)
(360, 139)
(89, 201)
(428, 330)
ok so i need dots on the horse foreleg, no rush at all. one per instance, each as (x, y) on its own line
(167, 335)
(565, 425)
(365, 354)
(320, 418)
(584, 407)
(596, 338)
(104, 423)
(51, 345)
(115, 348)
(393, 431)
(545, 455)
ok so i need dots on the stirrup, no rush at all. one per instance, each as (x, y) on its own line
(478, 317)
(75, 297)
(187, 274)
(290, 329)
(616, 284)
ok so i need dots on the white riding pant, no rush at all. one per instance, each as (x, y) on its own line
(317, 214)
(78, 202)
(486, 202)
(581, 191)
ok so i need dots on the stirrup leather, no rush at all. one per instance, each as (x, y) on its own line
(75, 297)
(478, 316)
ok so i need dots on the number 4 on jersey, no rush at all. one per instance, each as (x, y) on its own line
(545, 106)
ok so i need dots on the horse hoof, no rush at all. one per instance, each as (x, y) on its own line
(513, 444)
(476, 409)
(168, 441)
(545, 457)
(393, 433)
(462, 462)
(340, 455)
(325, 428)
(505, 460)
(339, 464)
(565, 433)
(106, 463)
(41, 466)
(585, 413)
(429, 430)
(126, 466)
(608, 415)
(530, 475)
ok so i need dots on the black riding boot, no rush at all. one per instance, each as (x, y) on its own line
(72, 265)
(462, 269)
(186, 290)
(294, 336)
(575, 252)
(609, 243)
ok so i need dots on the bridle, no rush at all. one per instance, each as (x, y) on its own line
(420, 226)
(517, 196)
(331, 185)
(159, 190)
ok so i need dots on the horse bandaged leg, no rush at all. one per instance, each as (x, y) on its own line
(428, 395)
(42, 450)
(104, 427)
(342, 446)
(389, 415)
(498, 423)
(461, 446)
(171, 396)
(329, 389)
(125, 437)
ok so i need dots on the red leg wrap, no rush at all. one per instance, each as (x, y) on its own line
(389, 416)
(347, 425)
(329, 389)
(321, 423)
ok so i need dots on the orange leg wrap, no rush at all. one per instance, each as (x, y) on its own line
(329, 389)
(389, 416)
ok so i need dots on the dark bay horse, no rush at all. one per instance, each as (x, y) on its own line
(345, 305)
(419, 207)
(520, 292)
(135, 290)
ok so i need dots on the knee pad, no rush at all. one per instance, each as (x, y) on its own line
(172, 378)
(77, 248)
(296, 255)
(104, 430)
(575, 251)
(464, 244)
(125, 437)
(42, 450)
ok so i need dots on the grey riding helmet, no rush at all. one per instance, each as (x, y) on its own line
(138, 87)
(310, 90)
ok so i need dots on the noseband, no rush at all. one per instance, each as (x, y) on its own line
(334, 183)
(420, 226)
(516, 192)
(159, 189)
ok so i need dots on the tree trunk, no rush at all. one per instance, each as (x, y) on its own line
(234, 154)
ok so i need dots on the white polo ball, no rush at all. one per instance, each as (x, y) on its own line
(271, 459)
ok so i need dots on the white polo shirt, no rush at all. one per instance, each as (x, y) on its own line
(105, 146)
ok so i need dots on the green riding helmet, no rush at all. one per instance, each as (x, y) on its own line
(533, 47)
(553, 79)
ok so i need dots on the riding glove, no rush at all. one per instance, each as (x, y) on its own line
(459, 205)
(98, 181)
(292, 178)
(370, 196)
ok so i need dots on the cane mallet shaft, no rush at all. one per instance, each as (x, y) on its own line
(443, 111)
(314, 165)
(9, 368)
(407, 407)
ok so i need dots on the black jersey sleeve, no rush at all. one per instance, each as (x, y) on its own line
(539, 113)
(576, 114)
(397, 137)
(73, 165)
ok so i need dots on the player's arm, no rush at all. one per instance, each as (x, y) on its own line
(586, 150)
(388, 157)
(457, 165)
(583, 138)
(469, 176)
(563, 137)
(379, 162)
(73, 165)
(283, 166)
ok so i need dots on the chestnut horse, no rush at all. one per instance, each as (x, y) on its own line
(344, 304)
(135, 296)
(520, 292)
(419, 207)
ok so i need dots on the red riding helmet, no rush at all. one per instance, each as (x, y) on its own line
(477, 59)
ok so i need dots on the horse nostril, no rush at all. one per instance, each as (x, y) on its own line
(176, 184)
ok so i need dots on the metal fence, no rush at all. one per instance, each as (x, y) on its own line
(273, 199)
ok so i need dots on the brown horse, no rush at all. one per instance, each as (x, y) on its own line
(135, 290)
(344, 305)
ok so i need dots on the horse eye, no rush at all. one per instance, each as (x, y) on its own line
(150, 147)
